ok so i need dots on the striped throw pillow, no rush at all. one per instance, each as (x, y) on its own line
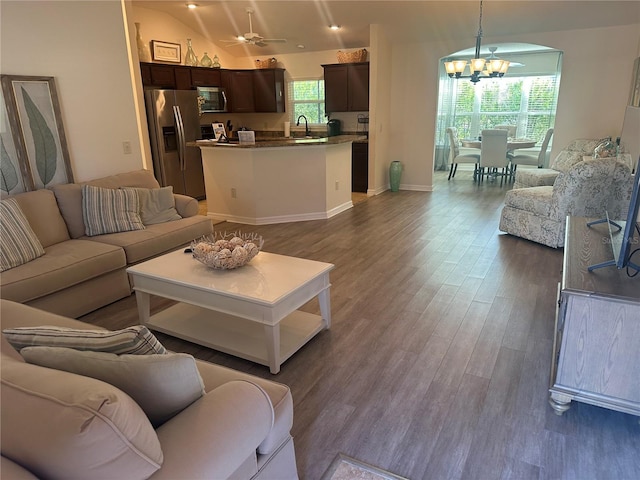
(18, 242)
(108, 210)
(136, 340)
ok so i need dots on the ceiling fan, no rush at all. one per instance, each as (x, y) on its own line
(253, 38)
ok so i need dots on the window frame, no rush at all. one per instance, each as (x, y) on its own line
(291, 102)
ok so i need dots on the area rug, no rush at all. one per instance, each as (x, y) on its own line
(347, 468)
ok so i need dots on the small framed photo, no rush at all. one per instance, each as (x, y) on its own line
(165, 51)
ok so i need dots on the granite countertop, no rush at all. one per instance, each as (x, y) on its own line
(281, 142)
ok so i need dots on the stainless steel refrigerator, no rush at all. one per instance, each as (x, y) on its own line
(174, 120)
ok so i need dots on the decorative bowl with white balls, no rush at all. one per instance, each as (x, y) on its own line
(226, 251)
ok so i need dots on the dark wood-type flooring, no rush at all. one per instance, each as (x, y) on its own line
(437, 363)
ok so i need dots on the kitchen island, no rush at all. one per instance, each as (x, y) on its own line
(277, 180)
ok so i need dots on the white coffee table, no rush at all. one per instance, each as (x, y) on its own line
(250, 312)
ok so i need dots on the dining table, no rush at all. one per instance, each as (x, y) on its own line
(512, 144)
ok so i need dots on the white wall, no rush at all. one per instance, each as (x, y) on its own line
(380, 112)
(83, 46)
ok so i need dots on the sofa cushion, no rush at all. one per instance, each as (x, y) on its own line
(61, 425)
(536, 200)
(585, 145)
(157, 239)
(136, 178)
(566, 159)
(535, 177)
(106, 210)
(63, 265)
(157, 205)
(162, 385)
(12, 470)
(18, 242)
(42, 212)
(69, 196)
(135, 340)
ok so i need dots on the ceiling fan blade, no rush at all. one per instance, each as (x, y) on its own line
(275, 40)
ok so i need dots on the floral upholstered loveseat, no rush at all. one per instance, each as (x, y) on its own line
(573, 153)
(588, 189)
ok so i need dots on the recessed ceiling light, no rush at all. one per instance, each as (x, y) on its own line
(300, 46)
(192, 5)
(334, 27)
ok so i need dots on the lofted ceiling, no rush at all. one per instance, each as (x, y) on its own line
(306, 22)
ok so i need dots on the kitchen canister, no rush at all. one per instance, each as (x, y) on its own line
(395, 171)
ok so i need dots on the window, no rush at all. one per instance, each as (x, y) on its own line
(527, 102)
(306, 97)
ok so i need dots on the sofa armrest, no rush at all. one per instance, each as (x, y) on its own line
(216, 434)
(186, 206)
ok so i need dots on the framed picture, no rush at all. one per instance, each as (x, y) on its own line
(37, 131)
(165, 51)
(14, 176)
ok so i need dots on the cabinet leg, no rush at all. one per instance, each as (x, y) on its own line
(560, 403)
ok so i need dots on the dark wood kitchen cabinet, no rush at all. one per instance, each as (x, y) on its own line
(183, 78)
(239, 86)
(248, 91)
(180, 77)
(359, 167)
(205, 77)
(346, 87)
(268, 90)
(158, 75)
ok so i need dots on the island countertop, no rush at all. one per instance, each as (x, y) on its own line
(280, 142)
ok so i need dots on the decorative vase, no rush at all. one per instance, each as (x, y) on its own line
(395, 171)
(143, 50)
(216, 62)
(205, 61)
(190, 58)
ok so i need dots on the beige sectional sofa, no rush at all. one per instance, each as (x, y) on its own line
(58, 424)
(78, 273)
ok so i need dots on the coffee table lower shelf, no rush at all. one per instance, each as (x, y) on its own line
(235, 335)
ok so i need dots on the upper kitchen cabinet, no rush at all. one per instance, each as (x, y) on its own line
(248, 91)
(239, 86)
(179, 77)
(158, 75)
(268, 90)
(205, 77)
(346, 87)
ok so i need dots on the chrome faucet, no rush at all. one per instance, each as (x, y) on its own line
(307, 133)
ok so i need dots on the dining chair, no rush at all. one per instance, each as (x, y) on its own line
(538, 160)
(511, 129)
(454, 154)
(493, 154)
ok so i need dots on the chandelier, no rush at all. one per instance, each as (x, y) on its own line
(491, 67)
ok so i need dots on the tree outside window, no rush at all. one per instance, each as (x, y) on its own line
(527, 102)
(306, 97)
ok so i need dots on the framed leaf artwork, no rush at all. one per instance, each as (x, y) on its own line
(37, 131)
(12, 177)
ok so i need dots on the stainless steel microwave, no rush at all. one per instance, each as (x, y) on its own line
(212, 99)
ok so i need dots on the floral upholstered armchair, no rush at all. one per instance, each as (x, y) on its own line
(567, 158)
(588, 189)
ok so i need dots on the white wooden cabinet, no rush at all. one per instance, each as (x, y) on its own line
(596, 352)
